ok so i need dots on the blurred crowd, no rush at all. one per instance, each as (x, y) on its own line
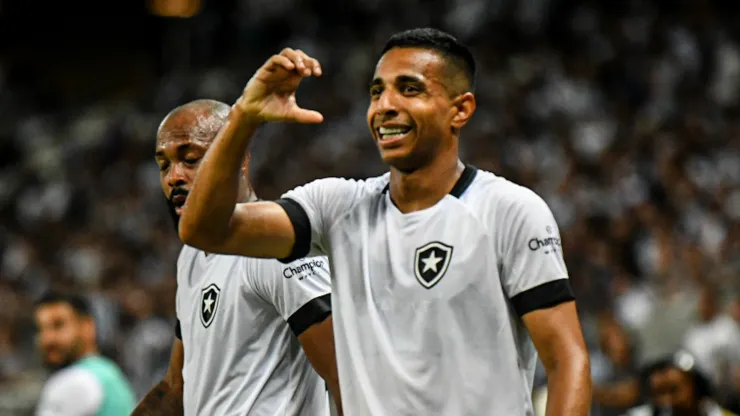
(622, 115)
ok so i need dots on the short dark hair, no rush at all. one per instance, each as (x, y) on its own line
(702, 384)
(444, 43)
(78, 302)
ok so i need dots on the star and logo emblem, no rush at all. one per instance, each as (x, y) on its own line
(208, 303)
(431, 263)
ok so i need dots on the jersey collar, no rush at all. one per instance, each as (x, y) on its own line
(462, 184)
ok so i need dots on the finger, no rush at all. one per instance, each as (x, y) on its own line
(280, 61)
(304, 116)
(296, 58)
(311, 64)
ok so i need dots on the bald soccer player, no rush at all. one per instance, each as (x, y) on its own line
(254, 336)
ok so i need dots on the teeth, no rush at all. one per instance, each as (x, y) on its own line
(392, 130)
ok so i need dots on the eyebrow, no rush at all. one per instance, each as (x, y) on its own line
(180, 148)
(401, 79)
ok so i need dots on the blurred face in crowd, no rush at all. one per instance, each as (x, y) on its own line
(64, 335)
(417, 106)
(615, 344)
(673, 389)
(707, 306)
(182, 140)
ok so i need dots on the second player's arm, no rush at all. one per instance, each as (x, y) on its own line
(318, 344)
(165, 399)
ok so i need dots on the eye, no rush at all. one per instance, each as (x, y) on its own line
(409, 89)
(376, 90)
(192, 160)
(163, 166)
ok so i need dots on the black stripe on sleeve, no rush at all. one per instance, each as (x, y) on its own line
(301, 227)
(178, 331)
(313, 312)
(543, 296)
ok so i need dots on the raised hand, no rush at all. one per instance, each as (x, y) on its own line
(270, 94)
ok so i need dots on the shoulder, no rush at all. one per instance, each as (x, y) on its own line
(71, 391)
(348, 189)
(73, 380)
(644, 410)
(502, 196)
(186, 255)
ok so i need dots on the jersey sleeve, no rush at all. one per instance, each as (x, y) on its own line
(300, 291)
(313, 208)
(71, 392)
(534, 274)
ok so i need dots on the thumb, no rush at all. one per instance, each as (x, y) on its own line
(303, 116)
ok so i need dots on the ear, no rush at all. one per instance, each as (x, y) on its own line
(465, 107)
(90, 330)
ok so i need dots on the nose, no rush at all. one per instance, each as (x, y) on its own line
(386, 104)
(177, 176)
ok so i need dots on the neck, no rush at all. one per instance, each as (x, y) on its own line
(249, 196)
(425, 186)
(87, 352)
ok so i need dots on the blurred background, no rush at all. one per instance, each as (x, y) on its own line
(623, 115)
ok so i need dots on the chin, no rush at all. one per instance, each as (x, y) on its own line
(401, 159)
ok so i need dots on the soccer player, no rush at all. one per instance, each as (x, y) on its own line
(84, 382)
(447, 280)
(248, 329)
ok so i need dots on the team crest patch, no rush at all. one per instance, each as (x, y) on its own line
(431, 263)
(209, 298)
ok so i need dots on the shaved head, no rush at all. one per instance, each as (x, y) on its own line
(199, 120)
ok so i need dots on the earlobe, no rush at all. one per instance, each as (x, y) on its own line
(465, 105)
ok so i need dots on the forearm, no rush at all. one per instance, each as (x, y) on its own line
(569, 388)
(214, 194)
(162, 400)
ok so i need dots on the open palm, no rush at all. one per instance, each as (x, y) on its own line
(270, 94)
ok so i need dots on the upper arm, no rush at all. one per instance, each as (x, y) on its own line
(287, 229)
(256, 229)
(73, 392)
(300, 290)
(535, 278)
(533, 272)
(173, 377)
(556, 333)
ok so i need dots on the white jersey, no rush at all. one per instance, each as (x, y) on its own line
(238, 319)
(427, 305)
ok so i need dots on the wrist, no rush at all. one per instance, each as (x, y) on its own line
(240, 112)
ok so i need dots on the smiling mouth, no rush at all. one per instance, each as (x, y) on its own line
(389, 134)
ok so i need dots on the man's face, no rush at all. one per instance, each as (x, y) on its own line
(411, 110)
(60, 335)
(673, 389)
(179, 150)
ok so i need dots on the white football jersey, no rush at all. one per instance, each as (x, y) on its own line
(238, 319)
(427, 305)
